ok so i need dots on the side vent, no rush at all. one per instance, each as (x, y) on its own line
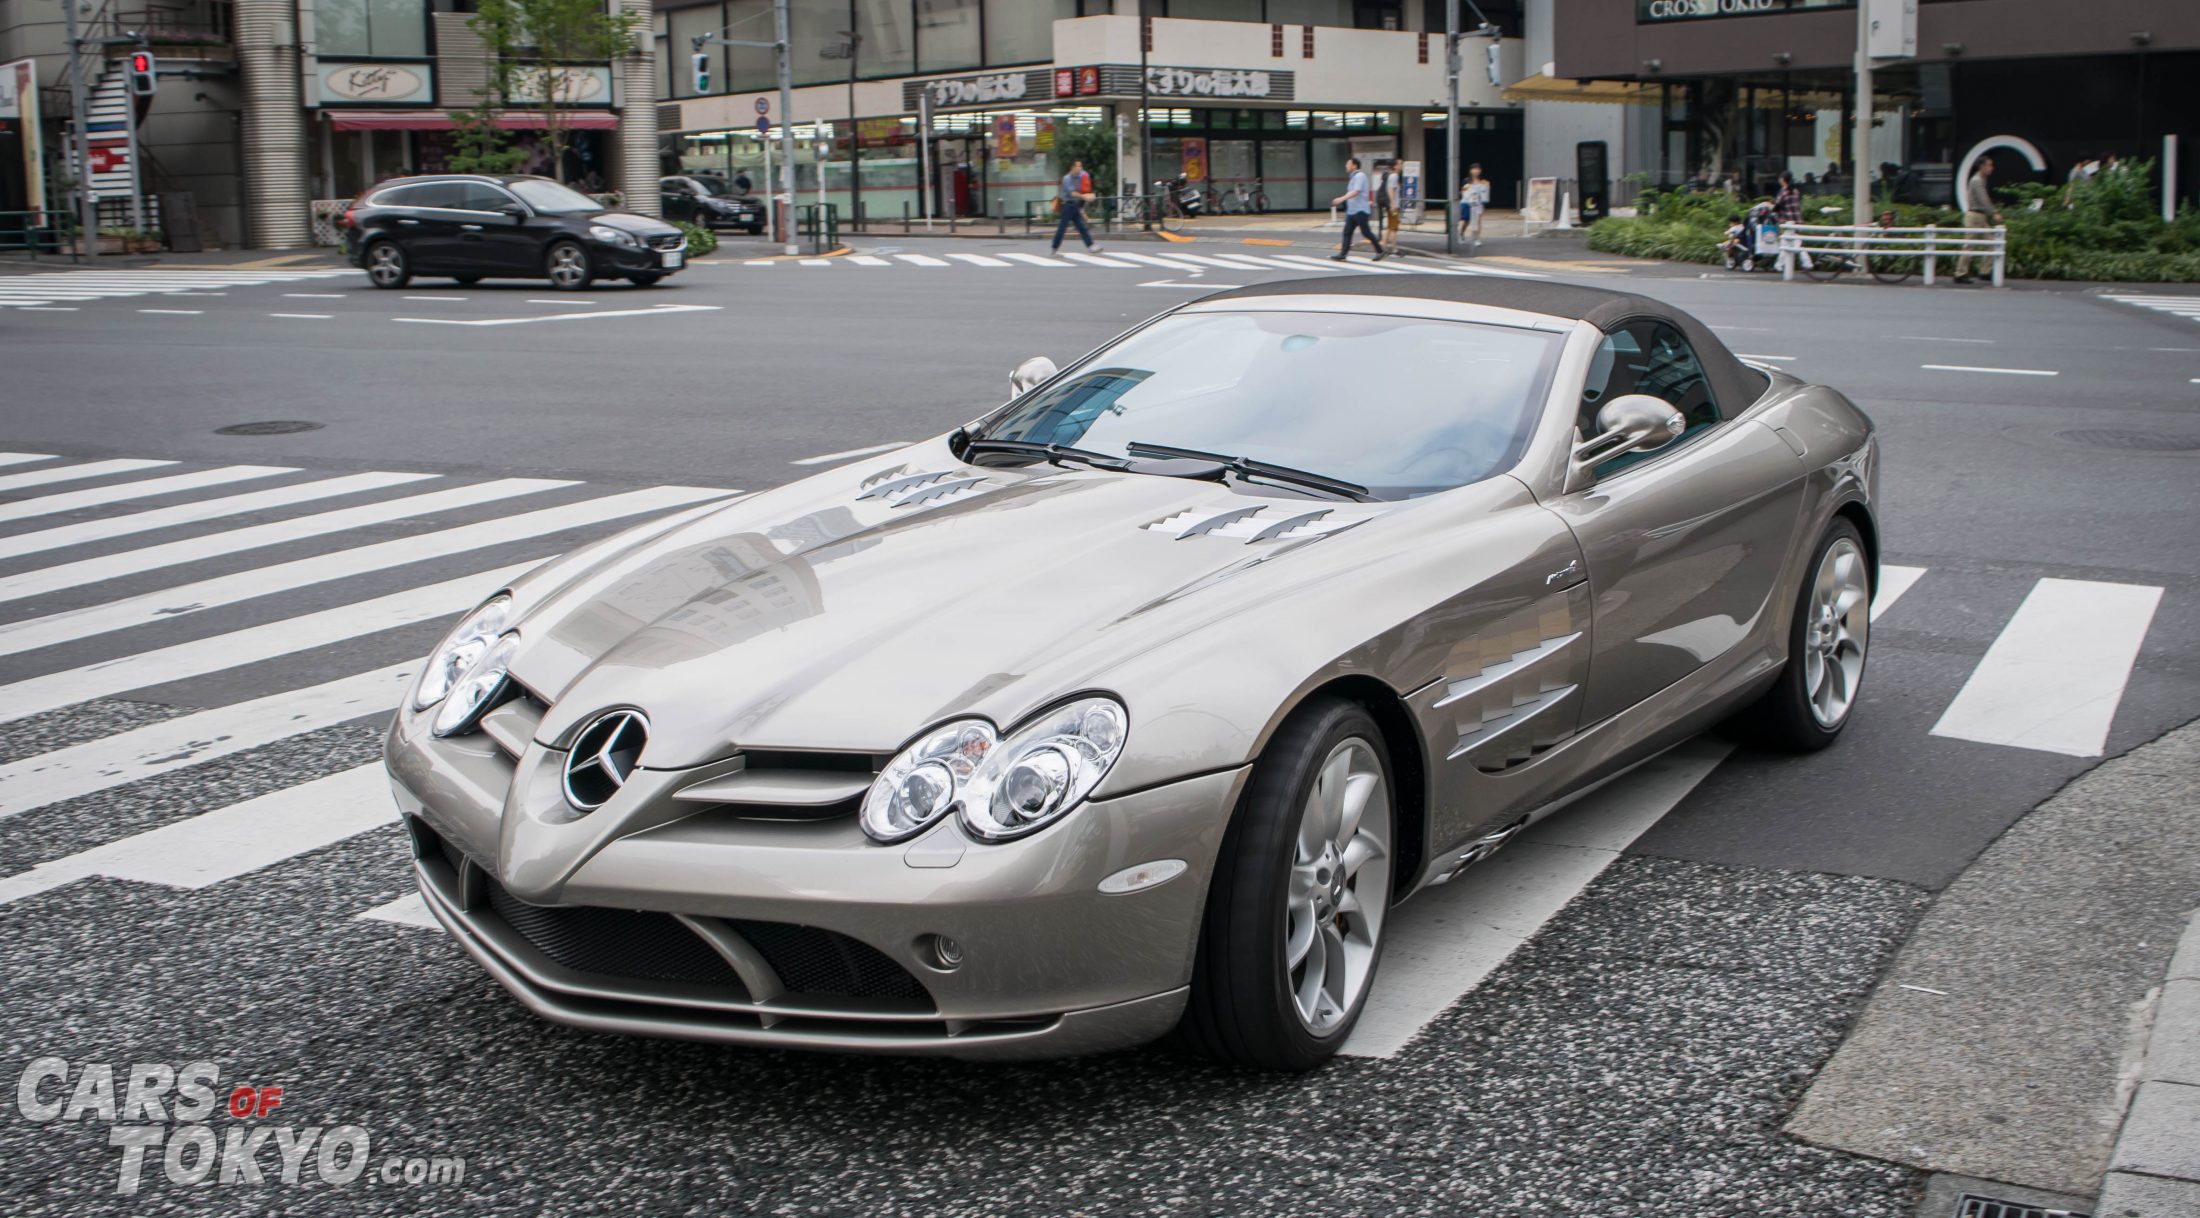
(1254, 523)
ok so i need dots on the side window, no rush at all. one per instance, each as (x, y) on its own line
(437, 194)
(396, 196)
(1648, 357)
(480, 196)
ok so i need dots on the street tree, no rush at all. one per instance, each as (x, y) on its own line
(538, 53)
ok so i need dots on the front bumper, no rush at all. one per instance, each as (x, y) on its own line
(806, 934)
(609, 259)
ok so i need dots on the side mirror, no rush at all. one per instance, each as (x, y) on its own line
(1034, 371)
(514, 210)
(1636, 422)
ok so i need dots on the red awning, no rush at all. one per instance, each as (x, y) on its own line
(438, 120)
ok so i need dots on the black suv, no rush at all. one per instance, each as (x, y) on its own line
(701, 202)
(473, 227)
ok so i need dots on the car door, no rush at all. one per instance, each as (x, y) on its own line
(679, 197)
(1685, 543)
(402, 218)
(493, 238)
(432, 217)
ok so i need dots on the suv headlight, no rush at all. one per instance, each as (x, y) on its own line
(614, 236)
(1001, 788)
(461, 649)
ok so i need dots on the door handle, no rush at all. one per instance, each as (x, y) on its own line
(412, 222)
(471, 228)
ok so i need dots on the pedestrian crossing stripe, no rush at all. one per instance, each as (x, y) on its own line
(1442, 945)
(2175, 306)
(62, 287)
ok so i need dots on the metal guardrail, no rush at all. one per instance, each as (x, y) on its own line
(820, 226)
(47, 232)
(1863, 242)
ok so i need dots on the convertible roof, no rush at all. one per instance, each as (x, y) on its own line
(1735, 383)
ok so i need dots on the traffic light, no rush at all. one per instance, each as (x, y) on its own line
(142, 83)
(699, 63)
(1496, 77)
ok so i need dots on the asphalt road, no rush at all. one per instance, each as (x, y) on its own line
(1636, 1054)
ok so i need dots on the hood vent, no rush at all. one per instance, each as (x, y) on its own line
(910, 490)
(1259, 522)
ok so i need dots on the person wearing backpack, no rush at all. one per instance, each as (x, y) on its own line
(1075, 193)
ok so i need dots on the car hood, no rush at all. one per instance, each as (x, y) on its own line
(749, 202)
(640, 226)
(852, 609)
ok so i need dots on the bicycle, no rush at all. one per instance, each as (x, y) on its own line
(1238, 200)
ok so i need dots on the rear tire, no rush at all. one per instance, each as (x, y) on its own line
(387, 265)
(1294, 923)
(566, 265)
(1829, 639)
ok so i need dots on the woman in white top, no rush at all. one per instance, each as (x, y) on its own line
(1474, 196)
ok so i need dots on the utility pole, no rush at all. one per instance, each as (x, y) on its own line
(1145, 125)
(786, 112)
(1451, 124)
(87, 207)
(855, 134)
(1860, 143)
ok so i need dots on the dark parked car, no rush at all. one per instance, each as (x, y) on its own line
(473, 227)
(702, 202)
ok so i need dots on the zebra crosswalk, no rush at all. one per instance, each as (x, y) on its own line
(84, 626)
(1174, 261)
(2187, 307)
(64, 290)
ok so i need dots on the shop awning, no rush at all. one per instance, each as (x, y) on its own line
(1541, 87)
(440, 120)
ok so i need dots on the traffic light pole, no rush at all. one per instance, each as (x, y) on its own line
(1451, 112)
(786, 111)
(137, 180)
(87, 207)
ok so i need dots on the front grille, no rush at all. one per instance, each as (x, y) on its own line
(672, 242)
(613, 942)
(810, 960)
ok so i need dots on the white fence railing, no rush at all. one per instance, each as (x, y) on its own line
(1862, 242)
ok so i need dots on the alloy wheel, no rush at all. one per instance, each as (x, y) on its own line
(1339, 886)
(385, 265)
(568, 266)
(1837, 633)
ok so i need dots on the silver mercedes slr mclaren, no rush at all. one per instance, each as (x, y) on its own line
(1136, 705)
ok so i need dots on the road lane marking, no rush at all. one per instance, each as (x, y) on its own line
(1926, 338)
(658, 310)
(47, 308)
(304, 316)
(182, 513)
(168, 604)
(71, 473)
(2056, 673)
(868, 260)
(274, 533)
(285, 636)
(171, 744)
(1893, 582)
(459, 299)
(175, 312)
(978, 260)
(922, 259)
(228, 842)
(1211, 261)
(23, 458)
(823, 458)
(1446, 940)
(816, 262)
(1351, 264)
(1173, 264)
(1037, 260)
(1172, 283)
(316, 295)
(46, 505)
(2000, 371)
(549, 301)
(1099, 260)
(407, 910)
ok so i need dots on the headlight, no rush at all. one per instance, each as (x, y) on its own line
(1002, 789)
(460, 650)
(477, 690)
(614, 236)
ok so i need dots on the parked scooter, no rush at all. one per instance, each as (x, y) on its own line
(1182, 197)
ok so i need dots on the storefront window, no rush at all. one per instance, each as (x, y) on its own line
(372, 27)
(1219, 10)
(1022, 31)
(1329, 173)
(889, 45)
(1283, 170)
(1310, 12)
(947, 35)
(816, 27)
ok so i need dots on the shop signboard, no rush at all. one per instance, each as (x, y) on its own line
(565, 86)
(1542, 204)
(377, 84)
(1409, 191)
(1004, 136)
(19, 113)
(989, 89)
(1122, 80)
(1042, 133)
(1195, 159)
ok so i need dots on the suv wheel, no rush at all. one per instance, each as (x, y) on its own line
(567, 266)
(387, 266)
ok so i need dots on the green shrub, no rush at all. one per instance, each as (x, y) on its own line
(701, 241)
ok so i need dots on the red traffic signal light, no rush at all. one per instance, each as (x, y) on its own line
(142, 83)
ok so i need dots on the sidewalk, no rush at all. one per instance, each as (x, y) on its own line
(2025, 1040)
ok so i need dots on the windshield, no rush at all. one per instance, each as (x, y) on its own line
(551, 199)
(1401, 405)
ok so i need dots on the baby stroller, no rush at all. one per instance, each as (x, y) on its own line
(1757, 246)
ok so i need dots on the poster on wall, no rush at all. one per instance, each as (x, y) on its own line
(19, 113)
(1004, 136)
(1195, 159)
(1542, 200)
(1042, 134)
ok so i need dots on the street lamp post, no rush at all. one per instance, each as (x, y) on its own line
(1485, 29)
(1145, 124)
(1860, 143)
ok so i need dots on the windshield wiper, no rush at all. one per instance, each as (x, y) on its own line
(1247, 467)
(1053, 454)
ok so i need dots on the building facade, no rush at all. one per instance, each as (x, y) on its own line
(1742, 89)
(1272, 94)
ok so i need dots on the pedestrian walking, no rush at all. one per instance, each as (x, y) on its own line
(1076, 192)
(1474, 199)
(1358, 204)
(1978, 210)
(1389, 203)
(1787, 208)
(741, 183)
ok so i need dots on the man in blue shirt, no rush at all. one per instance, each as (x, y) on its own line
(1358, 203)
(1076, 192)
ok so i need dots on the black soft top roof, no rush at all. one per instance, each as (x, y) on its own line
(1736, 384)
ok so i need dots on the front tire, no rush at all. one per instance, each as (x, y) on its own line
(1829, 639)
(1295, 913)
(387, 265)
(566, 265)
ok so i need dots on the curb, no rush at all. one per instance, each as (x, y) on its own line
(2154, 1172)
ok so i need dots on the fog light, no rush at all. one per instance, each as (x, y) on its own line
(943, 953)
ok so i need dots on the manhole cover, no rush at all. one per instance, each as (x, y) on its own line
(272, 427)
(2133, 441)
